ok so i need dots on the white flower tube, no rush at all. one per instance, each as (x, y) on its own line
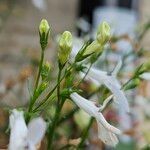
(110, 81)
(106, 132)
(23, 137)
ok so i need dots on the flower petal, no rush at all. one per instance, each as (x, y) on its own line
(18, 134)
(117, 68)
(112, 84)
(145, 76)
(36, 130)
(92, 110)
(88, 106)
(106, 136)
(106, 131)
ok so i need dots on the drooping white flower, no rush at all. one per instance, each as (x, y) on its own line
(23, 137)
(110, 81)
(106, 132)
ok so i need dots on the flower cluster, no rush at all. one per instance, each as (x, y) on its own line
(75, 68)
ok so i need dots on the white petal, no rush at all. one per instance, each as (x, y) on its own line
(88, 106)
(36, 130)
(112, 84)
(100, 118)
(88, 78)
(106, 136)
(145, 76)
(106, 102)
(106, 131)
(92, 110)
(18, 134)
(31, 146)
(117, 68)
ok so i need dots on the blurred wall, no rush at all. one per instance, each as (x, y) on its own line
(19, 28)
(144, 17)
(19, 21)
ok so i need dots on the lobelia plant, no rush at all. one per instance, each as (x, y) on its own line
(27, 128)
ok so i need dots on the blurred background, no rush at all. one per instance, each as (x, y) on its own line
(19, 22)
(19, 39)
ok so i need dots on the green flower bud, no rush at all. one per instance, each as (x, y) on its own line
(44, 27)
(44, 30)
(94, 47)
(45, 70)
(133, 84)
(103, 33)
(146, 67)
(65, 46)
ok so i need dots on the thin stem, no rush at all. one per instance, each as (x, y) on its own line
(124, 85)
(40, 68)
(52, 128)
(58, 87)
(33, 99)
(51, 92)
(68, 115)
(84, 75)
(58, 110)
(85, 134)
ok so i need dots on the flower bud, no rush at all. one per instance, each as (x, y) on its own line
(44, 27)
(94, 47)
(103, 33)
(133, 84)
(45, 70)
(44, 30)
(65, 46)
(146, 67)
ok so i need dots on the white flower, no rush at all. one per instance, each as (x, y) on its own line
(110, 81)
(145, 76)
(106, 132)
(23, 137)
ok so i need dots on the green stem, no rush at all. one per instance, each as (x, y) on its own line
(40, 68)
(58, 87)
(68, 115)
(53, 126)
(124, 85)
(84, 75)
(57, 113)
(85, 134)
(33, 99)
(51, 92)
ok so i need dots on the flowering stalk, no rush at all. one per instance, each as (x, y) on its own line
(44, 30)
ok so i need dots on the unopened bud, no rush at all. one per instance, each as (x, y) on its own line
(44, 30)
(94, 47)
(103, 33)
(65, 46)
(146, 67)
(44, 27)
(133, 84)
